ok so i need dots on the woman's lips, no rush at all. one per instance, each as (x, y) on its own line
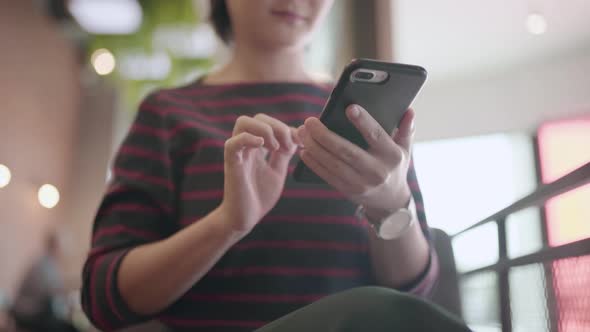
(287, 15)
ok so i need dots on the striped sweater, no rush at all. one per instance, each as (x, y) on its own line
(168, 173)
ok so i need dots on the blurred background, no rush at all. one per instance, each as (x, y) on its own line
(506, 110)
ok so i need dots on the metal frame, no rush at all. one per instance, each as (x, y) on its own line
(547, 254)
(503, 282)
(574, 249)
(550, 295)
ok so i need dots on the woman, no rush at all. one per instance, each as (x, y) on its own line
(202, 227)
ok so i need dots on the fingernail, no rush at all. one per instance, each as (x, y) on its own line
(355, 111)
(412, 126)
(275, 144)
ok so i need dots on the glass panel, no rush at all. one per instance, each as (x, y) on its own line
(568, 215)
(481, 305)
(571, 278)
(467, 179)
(476, 248)
(524, 232)
(528, 300)
(563, 147)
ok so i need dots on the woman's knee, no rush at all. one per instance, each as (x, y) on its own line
(384, 308)
(368, 309)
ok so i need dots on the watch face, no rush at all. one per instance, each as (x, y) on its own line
(395, 225)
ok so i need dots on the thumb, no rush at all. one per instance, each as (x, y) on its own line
(404, 136)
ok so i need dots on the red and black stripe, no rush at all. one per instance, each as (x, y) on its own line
(168, 173)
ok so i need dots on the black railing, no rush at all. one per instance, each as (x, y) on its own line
(547, 254)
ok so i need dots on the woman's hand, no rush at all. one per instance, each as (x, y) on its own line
(376, 178)
(256, 160)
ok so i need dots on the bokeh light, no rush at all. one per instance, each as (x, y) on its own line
(48, 196)
(5, 176)
(103, 61)
(536, 24)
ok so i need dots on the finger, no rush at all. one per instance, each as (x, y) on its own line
(260, 154)
(404, 136)
(281, 131)
(375, 136)
(357, 158)
(338, 167)
(295, 137)
(257, 128)
(279, 160)
(234, 147)
(323, 172)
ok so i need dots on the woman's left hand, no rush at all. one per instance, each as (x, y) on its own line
(375, 178)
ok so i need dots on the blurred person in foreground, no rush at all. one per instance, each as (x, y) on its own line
(41, 303)
(203, 229)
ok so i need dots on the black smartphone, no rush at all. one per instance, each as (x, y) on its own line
(384, 89)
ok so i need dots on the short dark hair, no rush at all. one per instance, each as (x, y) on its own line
(221, 20)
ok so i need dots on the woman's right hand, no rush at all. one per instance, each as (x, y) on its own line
(256, 160)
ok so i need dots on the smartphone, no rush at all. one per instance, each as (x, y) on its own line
(384, 89)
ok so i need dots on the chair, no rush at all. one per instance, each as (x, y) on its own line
(446, 292)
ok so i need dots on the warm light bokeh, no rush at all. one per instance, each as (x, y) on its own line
(48, 196)
(5, 176)
(103, 61)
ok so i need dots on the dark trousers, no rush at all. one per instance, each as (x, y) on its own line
(368, 309)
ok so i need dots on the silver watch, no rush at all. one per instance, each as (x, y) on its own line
(393, 226)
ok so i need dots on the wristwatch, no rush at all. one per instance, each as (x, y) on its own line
(393, 226)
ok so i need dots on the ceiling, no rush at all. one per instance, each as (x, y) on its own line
(457, 38)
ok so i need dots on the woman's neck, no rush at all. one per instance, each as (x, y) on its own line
(255, 64)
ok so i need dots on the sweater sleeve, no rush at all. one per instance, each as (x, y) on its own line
(424, 284)
(137, 209)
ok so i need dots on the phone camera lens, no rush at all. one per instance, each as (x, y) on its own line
(364, 75)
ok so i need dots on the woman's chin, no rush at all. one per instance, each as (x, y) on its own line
(285, 38)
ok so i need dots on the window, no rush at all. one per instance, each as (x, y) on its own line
(467, 179)
(563, 147)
